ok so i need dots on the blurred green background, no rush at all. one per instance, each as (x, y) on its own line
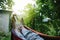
(43, 16)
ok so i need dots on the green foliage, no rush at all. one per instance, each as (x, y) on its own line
(4, 36)
(45, 9)
(29, 13)
(6, 4)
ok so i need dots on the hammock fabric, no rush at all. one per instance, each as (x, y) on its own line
(46, 37)
(14, 36)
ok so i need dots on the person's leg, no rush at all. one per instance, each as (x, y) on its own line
(29, 35)
(34, 36)
(19, 34)
(25, 31)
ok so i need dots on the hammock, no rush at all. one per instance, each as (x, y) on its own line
(46, 37)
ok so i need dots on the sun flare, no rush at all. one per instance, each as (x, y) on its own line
(19, 6)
